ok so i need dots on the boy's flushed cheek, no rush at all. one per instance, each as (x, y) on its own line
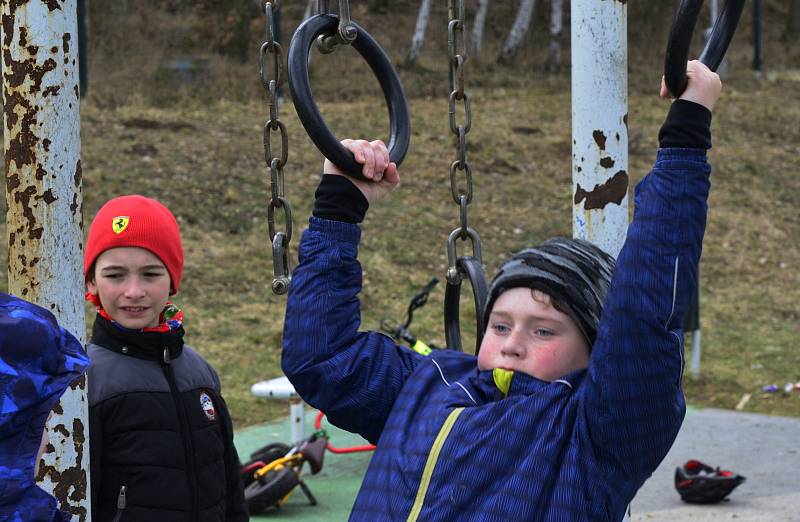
(546, 357)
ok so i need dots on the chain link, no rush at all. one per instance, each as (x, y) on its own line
(462, 193)
(272, 81)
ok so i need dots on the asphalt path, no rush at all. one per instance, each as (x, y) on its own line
(763, 448)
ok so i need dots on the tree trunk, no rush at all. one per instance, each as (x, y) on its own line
(419, 33)
(556, 25)
(477, 31)
(516, 37)
(793, 24)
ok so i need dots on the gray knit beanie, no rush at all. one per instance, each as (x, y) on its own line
(573, 272)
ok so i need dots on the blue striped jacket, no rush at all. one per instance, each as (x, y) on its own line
(449, 445)
(38, 361)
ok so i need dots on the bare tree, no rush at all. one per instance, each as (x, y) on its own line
(556, 26)
(419, 32)
(793, 23)
(516, 37)
(477, 30)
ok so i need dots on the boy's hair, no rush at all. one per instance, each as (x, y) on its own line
(573, 272)
(136, 221)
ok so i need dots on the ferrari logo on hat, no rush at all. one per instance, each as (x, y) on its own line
(208, 406)
(120, 223)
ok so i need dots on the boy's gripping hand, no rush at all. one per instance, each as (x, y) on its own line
(704, 85)
(381, 173)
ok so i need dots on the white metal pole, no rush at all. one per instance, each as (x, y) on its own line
(297, 414)
(599, 122)
(44, 221)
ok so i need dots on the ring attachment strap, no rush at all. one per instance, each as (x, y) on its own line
(308, 112)
(680, 39)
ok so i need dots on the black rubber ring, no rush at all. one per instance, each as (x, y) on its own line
(452, 297)
(680, 38)
(308, 112)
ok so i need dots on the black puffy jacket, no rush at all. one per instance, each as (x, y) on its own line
(161, 437)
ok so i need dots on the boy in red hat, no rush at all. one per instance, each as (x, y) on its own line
(161, 435)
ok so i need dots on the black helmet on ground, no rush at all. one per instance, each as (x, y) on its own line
(699, 483)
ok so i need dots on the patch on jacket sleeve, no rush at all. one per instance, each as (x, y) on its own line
(208, 406)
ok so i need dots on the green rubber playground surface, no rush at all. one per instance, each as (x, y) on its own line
(335, 486)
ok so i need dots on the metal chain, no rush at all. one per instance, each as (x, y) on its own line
(272, 81)
(462, 195)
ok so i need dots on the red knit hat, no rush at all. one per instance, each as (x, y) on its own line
(136, 221)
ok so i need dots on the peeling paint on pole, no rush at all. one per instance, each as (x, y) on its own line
(600, 122)
(44, 222)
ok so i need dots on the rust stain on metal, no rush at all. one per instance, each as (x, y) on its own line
(607, 162)
(612, 191)
(12, 182)
(48, 196)
(23, 34)
(46, 144)
(625, 120)
(71, 482)
(60, 428)
(78, 174)
(600, 139)
(78, 177)
(53, 4)
(51, 91)
(40, 172)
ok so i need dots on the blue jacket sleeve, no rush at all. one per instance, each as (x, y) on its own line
(635, 403)
(354, 377)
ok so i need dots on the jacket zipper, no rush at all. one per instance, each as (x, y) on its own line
(188, 445)
(430, 464)
(122, 501)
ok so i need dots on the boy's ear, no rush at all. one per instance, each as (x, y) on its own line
(91, 286)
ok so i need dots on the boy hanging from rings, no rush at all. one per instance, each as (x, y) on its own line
(575, 396)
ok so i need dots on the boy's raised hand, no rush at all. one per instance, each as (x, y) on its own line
(704, 85)
(380, 172)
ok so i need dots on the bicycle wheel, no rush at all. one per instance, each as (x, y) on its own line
(268, 490)
(270, 452)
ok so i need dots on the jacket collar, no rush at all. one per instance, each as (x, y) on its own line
(152, 346)
(522, 384)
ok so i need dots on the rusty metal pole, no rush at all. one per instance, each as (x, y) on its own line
(600, 122)
(44, 221)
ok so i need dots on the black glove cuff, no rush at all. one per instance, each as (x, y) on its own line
(338, 199)
(688, 126)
